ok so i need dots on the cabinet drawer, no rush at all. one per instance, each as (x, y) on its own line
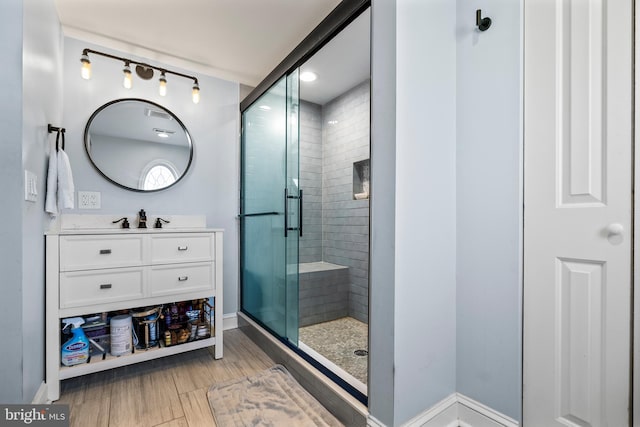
(179, 279)
(182, 248)
(83, 252)
(94, 287)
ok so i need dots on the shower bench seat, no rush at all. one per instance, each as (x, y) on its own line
(324, 292)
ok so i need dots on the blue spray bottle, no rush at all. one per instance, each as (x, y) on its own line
(76, 350)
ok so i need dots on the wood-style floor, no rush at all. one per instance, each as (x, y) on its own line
(167, 392)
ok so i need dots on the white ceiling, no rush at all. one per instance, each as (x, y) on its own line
(341, 64)
(238, 40)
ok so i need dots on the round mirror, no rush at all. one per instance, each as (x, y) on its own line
(138, 145)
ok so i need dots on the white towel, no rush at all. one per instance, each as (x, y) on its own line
(65, 181)
(51, 203)
(60, 188)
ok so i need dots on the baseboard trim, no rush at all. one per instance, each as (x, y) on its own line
(229, 321)
(442, 414)
(374, 422)
(456, 410)
(41, 395)
(477, 414)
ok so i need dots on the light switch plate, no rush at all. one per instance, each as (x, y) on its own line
(88, 200)
(30, 186)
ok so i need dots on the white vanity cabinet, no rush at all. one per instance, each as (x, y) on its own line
(89, 271)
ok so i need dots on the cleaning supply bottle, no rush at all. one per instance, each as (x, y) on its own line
(76, 350)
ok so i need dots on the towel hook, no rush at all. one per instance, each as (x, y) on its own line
(52, 129)
(58, 131)
(58, 140)
(483, 24)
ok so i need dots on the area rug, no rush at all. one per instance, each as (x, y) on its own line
(272, 398)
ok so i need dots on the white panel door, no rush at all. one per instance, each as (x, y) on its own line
(578, 212)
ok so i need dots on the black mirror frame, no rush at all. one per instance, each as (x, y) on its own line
(115, 101)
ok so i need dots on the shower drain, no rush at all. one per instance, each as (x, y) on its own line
(361, 352)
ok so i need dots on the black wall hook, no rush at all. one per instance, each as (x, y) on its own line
(483, 24)
(52, 129)
(58, 131)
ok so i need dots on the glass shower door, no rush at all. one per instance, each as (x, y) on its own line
(270, 209)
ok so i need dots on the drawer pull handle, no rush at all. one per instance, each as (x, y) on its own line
(183, 278)
(105, 251)
(105, 286)
(183, 248)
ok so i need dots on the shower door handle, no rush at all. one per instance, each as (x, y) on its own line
(300, 213)
(258, 214)
(286, 213)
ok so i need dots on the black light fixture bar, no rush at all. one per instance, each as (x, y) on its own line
(143, 70)
(142, 64)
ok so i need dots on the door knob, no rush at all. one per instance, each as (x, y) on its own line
(614, 233)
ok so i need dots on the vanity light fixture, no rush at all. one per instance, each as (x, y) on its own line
(195, 93)
(144, 71)
(162, 89)
(86, 66)
(128, 81)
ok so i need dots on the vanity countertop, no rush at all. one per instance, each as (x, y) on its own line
(132, 230)
(103, 224)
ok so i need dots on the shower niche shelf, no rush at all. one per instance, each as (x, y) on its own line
(361, 179)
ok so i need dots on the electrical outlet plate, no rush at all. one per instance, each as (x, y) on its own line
(88, 200)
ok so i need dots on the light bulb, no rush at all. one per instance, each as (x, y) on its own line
(308, 76)
(196, 93)
(86, 66)
(128, 81)
(162, 89)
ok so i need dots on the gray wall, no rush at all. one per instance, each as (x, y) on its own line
(456, 219)
(425, 328)
(489, 216)
(311, 181)
(210, 187)
(345, 221)
(382, 321)
(42, 92)
(11, 216)
(413, 237)
(32, 91)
